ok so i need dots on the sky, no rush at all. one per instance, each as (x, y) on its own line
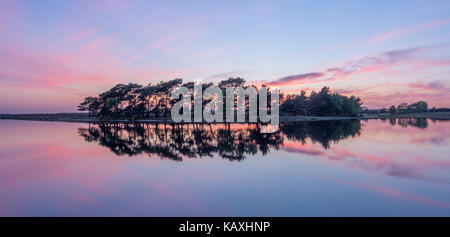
(54, 53)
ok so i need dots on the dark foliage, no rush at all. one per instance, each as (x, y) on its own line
(323, 103)
(405, 108)
(137, 101)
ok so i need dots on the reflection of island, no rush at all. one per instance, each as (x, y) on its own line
(229, 141)
(410, 122)
(323, 132)
(233, 142)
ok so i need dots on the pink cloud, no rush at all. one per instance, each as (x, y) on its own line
(297, 79)
(69, 75)
(436, 93)
(379, 100)
(364, 65)
(37, 69)
(392, 64)
(427, 86)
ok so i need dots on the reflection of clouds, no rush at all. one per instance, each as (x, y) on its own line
(48, 164)
(379, 132)
(69, 179)
(302, 149)
(397, 194)
(389, 150)
(440, 139)
(392, 165)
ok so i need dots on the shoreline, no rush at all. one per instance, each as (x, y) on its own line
(84, 118)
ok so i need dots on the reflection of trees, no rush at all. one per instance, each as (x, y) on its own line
(174, 141)
(413, 122)
(232, 142)
(323, 132)
(409, 122)
(434, 121)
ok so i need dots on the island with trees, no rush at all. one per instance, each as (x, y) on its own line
(153, 103)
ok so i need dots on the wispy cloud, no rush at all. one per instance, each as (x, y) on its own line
(436, 85)
(25, 68)
(87, 33)
(408, 30)
(368, 64)
(405, 65)
(395, 33)
(297, 79)
(226, 75)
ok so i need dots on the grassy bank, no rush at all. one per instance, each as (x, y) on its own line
(84, 118)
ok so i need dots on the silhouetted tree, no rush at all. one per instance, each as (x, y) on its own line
(90, 104)
(418, 107)
(326, 103)
(392, 110)
(295, 104)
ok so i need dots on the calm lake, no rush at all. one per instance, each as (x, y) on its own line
(335, 168)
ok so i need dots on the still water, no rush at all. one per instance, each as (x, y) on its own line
(335, 168)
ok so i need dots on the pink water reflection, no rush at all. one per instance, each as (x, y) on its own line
(47, 169)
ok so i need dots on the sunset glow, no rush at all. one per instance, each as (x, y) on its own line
(55, 53)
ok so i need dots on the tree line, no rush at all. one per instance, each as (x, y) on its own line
(136, 101)
(322, 103)
(404, 108)
(153, 100)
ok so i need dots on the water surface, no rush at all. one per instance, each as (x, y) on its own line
(336, 168)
